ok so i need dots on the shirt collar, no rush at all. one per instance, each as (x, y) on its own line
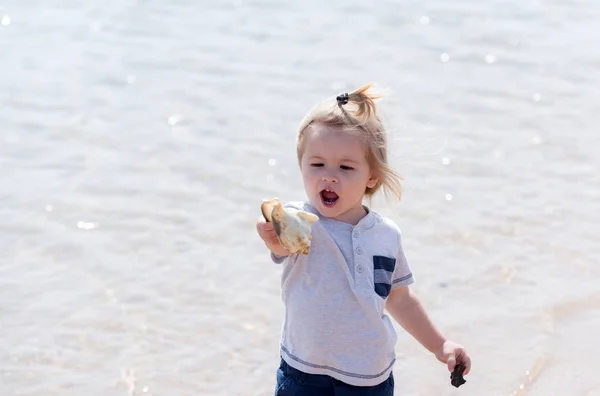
(366, 222)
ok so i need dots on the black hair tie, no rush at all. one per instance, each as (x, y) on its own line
(342, 99)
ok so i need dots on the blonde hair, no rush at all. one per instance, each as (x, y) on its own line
(355, 113)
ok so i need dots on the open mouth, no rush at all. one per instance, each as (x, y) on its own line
(329, 198)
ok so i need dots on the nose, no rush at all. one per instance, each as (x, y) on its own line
(329, 179)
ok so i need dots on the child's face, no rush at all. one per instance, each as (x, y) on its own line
(335, 172)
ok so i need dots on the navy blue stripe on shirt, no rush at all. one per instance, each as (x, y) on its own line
(383, 289)
(384, 263)
(346, 373)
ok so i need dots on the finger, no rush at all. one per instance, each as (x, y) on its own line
(265, 226)
(260, 230)
(467, 362)
(451, 362)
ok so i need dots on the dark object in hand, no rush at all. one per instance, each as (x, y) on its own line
(456, 377)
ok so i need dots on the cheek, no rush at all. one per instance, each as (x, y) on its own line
(308, 175)
(359, 179)
(313, 178)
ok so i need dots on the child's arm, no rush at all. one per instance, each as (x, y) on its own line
(404, 306)
(267, 233)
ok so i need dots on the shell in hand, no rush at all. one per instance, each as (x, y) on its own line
(292, 226)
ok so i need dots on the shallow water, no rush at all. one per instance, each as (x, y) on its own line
(137, 139)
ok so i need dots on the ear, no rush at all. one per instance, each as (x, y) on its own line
(372, 182)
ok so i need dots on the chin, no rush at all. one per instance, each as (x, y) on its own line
(332, 212)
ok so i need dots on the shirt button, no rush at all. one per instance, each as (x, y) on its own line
(356, 234)
(360, 269)
(359, 250)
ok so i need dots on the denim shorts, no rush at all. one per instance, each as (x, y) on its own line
(292, 382)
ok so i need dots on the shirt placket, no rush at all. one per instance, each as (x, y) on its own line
(360, 259)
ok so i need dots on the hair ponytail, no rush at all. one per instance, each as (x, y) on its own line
(363, 99)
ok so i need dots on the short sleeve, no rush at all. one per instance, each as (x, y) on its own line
(402, 275)
(277, 259)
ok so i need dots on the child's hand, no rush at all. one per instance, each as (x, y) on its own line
(267, 232)
(452, 353)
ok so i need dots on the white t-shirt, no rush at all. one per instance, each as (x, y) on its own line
(335, 298)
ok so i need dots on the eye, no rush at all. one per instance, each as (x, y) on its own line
(346, 167)
(317, 164)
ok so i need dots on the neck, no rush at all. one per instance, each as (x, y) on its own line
(353, 216)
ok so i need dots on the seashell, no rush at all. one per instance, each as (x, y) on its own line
(292, 226)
